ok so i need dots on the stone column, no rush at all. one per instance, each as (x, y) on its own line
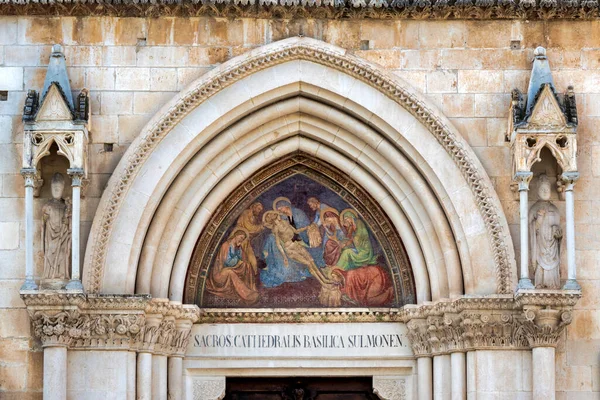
(544, 327)
(159, 377)
(543, 373)
(131, 374)
(145, 358)
(471, 374)
(459, 376)
(144, 376)
(442, 384)
(76, 177)
(55, 372)
(175, 368)
(523, 179)
(424, 378)
(175, 378)
(569, 181)
(29, 174)
(419, 340)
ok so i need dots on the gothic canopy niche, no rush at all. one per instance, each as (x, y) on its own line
(349, 254)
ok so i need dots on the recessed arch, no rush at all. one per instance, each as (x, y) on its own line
(410, 128)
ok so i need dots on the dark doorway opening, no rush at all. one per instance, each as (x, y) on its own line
(300, 388)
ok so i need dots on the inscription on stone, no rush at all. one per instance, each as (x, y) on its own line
(299, 340)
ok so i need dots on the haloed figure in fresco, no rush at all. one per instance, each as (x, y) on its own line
(357, 249)
(303, 252)
(233, 274)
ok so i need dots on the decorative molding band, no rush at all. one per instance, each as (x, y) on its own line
(312, 51)
(162, 327)
(327, 9)
(308, 315)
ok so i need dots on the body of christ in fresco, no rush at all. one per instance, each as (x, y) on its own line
(293, 247)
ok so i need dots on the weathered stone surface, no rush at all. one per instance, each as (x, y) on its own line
(467, 68)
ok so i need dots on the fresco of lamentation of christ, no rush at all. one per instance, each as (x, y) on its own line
(299, 244)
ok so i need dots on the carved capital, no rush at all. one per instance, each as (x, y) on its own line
(419, 337)
(543, 327)
(167, 331)
(58, 327)
(522, 180)
(33, 179)
(568, 180)
(150, 333)
(489, 330)
(30, 176)
(181, 338)
(133, 322)
(77, 175)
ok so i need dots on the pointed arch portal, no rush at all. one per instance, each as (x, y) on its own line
(299, 97)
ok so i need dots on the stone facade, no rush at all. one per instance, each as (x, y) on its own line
(132, 67)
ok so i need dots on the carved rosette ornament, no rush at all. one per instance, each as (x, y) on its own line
(58, 328)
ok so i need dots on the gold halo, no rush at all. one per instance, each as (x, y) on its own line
(265, 215)
(350, 211)
(329, 209)
(277, 200)
(236, 229)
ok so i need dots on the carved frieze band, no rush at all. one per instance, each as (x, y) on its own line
(329, 9)
(110, 322)
(528, 319)
(531, 319)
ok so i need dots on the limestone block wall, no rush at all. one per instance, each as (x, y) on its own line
(133, 66)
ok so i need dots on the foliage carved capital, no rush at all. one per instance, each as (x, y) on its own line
(110, 321)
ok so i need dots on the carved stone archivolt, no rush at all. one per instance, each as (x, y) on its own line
(312, 51)
(107, 322)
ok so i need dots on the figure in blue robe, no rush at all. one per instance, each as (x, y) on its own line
(276, 272)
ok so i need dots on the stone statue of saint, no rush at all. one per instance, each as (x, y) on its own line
(545, 236)
(56, 232)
